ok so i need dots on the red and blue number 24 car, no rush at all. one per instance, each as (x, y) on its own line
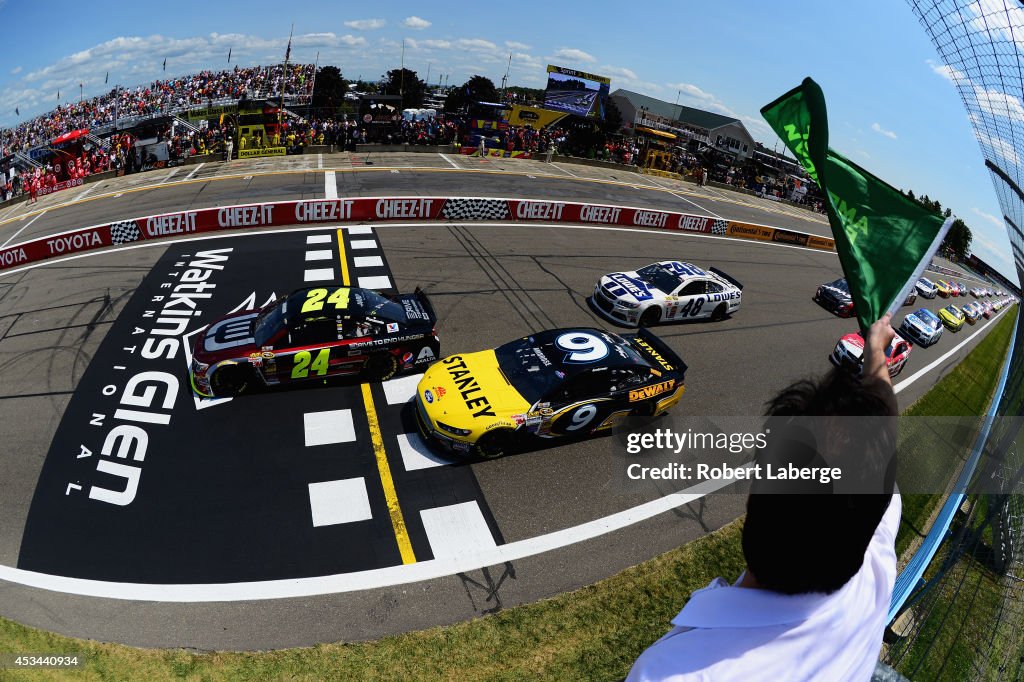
(314, 333)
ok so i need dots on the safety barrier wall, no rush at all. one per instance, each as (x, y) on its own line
(368, 209)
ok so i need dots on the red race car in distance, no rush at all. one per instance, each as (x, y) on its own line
(849, 353)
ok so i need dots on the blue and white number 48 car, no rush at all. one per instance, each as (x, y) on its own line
(669, 290)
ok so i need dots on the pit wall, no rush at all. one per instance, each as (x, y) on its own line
(370, 209)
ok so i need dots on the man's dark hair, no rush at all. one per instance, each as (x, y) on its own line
(806, 538)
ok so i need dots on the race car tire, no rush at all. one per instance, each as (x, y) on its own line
(230, 380)
(719, 312)
(494, 444)
(381, 366)
(651, 317)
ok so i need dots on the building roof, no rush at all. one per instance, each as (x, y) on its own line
(677, 112)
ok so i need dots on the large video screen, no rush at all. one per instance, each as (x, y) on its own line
(576, 92)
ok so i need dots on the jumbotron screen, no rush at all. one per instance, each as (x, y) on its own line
(576, 92)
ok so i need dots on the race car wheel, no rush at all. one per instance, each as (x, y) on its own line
(494, 444)
(230, 380)
(381, 366)
(651, 317)
(719, 312)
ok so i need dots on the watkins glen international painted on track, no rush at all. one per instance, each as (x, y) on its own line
(665, 291)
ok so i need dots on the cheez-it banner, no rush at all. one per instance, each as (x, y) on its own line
(369, 209)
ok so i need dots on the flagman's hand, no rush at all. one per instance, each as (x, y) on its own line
(879, 336)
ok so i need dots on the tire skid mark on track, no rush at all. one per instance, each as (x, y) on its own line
(502, 279)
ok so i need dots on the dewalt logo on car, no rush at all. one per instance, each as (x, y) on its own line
(651, 391)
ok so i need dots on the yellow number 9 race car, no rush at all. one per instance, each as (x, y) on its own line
(560, 382)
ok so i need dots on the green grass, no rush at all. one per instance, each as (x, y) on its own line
(967, 390)
(593, 633)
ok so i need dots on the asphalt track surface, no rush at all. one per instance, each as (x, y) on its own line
(247, 491)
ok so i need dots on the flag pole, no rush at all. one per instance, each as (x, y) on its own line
(921, 266)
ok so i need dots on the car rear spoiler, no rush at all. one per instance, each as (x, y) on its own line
(421, 296)
(727, 278)
(661, 354)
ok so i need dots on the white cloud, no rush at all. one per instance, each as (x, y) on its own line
(882, 131)
(995, 220)
(998, 146)
(365, 24)
(574, 55)
(416, 23)
(475, 44)
(16, 70)
(618, 72)
(694, 92)
(515, 45)
(436, 44)
(999, 103)
(1000, 20)
(948, 72)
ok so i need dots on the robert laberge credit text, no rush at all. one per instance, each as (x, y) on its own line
(719, 472)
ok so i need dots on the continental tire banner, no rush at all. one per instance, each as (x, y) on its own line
(368, 209)
(824, 243)
(788, 237)
(265, 151)
(749, 231)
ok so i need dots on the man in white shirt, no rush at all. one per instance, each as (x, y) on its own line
(813, 602)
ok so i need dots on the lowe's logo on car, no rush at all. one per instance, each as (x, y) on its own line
(685, 269)
(727, 296)
(635, 287)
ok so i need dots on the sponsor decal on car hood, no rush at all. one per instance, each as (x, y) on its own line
(469, 391)
(628, 285)
(234, 331)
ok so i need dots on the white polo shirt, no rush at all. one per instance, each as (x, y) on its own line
(738, 633)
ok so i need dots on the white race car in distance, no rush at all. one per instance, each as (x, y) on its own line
(669, 290)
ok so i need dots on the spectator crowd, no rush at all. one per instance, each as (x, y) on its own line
(161, 96)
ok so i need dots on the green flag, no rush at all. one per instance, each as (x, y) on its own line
(884, 240)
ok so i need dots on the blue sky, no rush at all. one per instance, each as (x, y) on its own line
(892, 106)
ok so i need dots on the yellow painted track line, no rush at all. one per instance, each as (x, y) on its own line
(394, 509)
(342, 258)
(379, 453)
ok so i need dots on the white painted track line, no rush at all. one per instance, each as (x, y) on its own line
(452, 163)
(343, 501)
(11, 238)
(328, 427)
(330, 186)
(319, 275)
(363, 244)
(319, 239)
(378, 282)
(401, 390)
(319, 254)
(415, 453)
(368, 261)
(457, 530)
(360, 229)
